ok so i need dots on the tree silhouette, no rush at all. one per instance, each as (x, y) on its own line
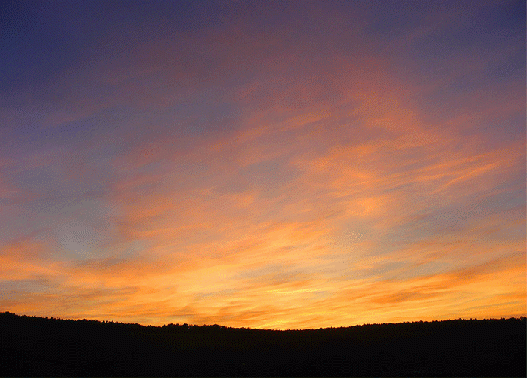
(33, 346)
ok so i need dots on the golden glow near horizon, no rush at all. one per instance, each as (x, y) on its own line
(279, 167)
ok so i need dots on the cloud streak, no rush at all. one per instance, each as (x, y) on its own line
(285, 169)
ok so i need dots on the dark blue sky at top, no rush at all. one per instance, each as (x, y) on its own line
(42, 38)
(43, 41)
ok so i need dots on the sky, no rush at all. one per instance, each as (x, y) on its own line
(274, 164)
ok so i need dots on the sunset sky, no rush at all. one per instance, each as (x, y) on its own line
(288, 164)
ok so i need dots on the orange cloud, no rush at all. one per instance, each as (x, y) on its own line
(333, 188)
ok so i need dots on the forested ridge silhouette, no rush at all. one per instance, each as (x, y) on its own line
(35, 346)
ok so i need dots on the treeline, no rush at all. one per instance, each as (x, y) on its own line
(34, 346)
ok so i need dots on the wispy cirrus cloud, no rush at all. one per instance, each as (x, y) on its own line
(324, 165)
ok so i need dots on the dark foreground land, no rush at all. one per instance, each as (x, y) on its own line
(31, 346)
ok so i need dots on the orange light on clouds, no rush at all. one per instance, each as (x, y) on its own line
(318, 166)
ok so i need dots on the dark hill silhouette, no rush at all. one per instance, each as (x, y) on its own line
(33, 346)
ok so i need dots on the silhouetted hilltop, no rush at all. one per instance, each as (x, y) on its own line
(33, 346)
